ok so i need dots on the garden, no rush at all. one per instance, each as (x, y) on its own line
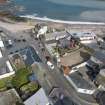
(24, 81)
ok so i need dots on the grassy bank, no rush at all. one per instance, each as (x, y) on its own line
(10, 17)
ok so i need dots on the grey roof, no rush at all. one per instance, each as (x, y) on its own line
(79, 81)
(100, 55)
(4, 69)
(92, 45)
(54, 35)
(31, 55)
(9, 97)
(81, 34)
(39, 98)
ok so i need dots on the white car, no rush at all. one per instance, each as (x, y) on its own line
(10, 42)
(50, 65)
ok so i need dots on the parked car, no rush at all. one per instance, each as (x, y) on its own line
(50, 65)
(11, 53)
(24, 40)
(18, 40)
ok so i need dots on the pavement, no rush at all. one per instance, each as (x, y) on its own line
(55, 77)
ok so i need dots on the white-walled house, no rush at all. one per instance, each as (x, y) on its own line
(84, 37)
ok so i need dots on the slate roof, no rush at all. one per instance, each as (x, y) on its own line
(80, 82)
(31, 55)
(99, 55)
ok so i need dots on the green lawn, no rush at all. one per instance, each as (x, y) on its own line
(5, 82)
(20, 81)
(30, 87)
(21, 77)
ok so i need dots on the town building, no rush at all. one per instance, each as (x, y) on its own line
(83, 36)
(100, 80)
(53, 37)
(80, 84)
(10, 97)
(39, 98)
(97, 58)
(6, 70)
(26, 56)
(42, 31)
(57, 95)
(30, 56)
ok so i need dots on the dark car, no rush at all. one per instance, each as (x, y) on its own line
(11, 52)
(24, 40)
(18, 40)
(1, 31)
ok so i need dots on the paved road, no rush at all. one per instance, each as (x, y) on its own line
(55, 75)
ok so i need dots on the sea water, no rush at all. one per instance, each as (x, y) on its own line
(69, 10)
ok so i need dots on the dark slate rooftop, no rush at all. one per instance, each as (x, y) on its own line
(100, 55)
(4, 70)
(31, 55)
(79, 81)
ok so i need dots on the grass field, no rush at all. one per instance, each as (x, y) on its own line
(21, 77)
(4, 83)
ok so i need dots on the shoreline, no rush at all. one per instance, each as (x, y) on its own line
(24, 18)
(45, 19)
(19, 23)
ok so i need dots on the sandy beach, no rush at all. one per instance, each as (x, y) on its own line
(15, 27)
(58, 24)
